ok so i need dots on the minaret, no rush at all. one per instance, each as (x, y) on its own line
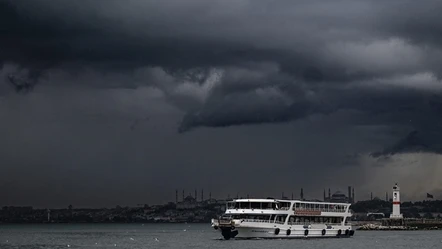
(353, 196)
(371, 196)
(302, 194)
(202, 195)
(210, 195)
(329, 194)
(349, 194)
(396, 203)
(183, 194)
(324, 194)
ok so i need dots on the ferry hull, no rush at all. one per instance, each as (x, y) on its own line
(252, 233)
(282, 232)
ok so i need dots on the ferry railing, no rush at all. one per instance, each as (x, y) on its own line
(255, 220)
(224, 221)
(313, 223)
(262, 221)
(332, 210)
(247, 208)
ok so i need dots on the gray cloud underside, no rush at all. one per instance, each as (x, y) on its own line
(227, 63)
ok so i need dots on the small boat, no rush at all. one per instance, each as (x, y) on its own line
(283, 219)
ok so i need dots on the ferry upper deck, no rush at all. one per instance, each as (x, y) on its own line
(277, 206)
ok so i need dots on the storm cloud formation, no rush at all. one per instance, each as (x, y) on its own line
(239, 63)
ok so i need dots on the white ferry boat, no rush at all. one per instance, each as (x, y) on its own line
(272, 218)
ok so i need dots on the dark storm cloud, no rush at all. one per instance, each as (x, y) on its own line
(227, 63)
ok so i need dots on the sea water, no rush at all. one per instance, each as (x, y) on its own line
(102, 236)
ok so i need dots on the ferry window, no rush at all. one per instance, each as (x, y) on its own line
(255, 205)
(232, 205)
(280, 218)
(284, 205)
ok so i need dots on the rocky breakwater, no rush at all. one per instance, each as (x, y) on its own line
(385, 228)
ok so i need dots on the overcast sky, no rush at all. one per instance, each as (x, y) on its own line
(134, 99)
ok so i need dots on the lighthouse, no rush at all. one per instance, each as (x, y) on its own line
(396, 203)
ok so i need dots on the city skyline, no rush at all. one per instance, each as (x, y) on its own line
(183, 194)
(109, 102)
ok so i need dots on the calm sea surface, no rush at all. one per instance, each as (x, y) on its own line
(191, 236)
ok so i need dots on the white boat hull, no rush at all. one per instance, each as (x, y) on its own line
(272, 231)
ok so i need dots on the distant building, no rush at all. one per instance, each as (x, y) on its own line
(338, 197)
(188, 203)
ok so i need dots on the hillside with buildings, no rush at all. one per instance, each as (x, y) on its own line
(190, 209)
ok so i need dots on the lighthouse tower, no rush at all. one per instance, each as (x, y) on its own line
(396, 203)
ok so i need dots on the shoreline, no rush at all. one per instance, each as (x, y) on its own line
(414, 227)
